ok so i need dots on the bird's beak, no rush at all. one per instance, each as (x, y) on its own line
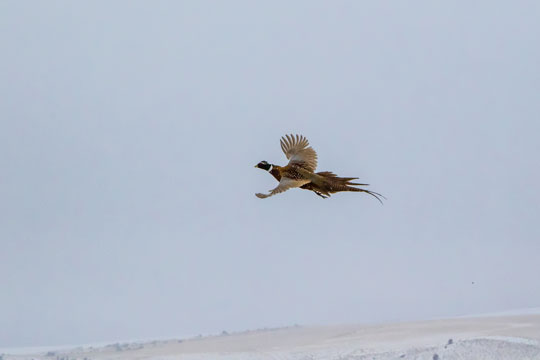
(255, 166)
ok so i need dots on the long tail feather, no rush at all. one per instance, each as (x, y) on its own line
(375, 195)
(331, 184)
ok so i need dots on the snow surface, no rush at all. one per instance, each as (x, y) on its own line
(507, 336)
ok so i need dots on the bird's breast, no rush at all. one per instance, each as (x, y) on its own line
(276, 173)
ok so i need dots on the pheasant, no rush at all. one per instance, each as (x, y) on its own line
(300, 172)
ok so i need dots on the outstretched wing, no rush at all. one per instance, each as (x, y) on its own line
(284, 184)
(298, 151)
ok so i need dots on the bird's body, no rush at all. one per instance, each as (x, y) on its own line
(300, 172)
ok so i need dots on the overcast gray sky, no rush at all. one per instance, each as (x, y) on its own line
(129, 131)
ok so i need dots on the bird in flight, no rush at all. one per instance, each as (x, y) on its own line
(300, 172)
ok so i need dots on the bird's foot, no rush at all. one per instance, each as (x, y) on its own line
(321, 195)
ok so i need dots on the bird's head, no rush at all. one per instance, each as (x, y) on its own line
(264, 165)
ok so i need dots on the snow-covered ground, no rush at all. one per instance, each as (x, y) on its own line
(499, 336)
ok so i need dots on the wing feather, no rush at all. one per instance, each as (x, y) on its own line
(284, 184)
(298, 151)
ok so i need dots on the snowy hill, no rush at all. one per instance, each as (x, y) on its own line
(515, 335)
